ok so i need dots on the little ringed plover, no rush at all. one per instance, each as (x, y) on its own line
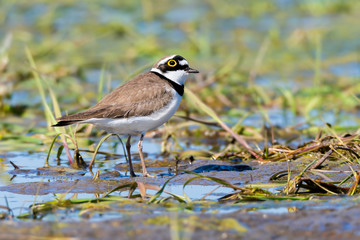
(141, 104)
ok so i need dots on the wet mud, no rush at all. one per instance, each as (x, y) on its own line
(318, 218)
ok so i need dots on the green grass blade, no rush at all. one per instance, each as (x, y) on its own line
(50, 148)
(97, 149)
(101, 83)
(154, 197)
(214, 179)
(48, 113)
(127, 185)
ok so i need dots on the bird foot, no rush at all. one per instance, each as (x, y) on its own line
(133, 175)
(148, 175)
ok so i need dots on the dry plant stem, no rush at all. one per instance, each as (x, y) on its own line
(240, 140)
(142, 189)
(203, 107)
(97, 175)
(321, 160)
(298, 152)
(313, 147)
(67, 151)
(355, 184)
(215, 124)
(326, 155)
(348, 149)
(317, 186)
(128, 146)
(203, 198)
(323, 176)
(102, 152)
(14, 165)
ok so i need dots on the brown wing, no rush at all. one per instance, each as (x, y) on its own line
(139, 97)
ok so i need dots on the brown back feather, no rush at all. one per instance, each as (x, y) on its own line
(140, 96)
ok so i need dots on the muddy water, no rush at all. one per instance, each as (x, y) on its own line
(322, 217)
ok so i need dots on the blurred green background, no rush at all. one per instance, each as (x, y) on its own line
(276, 58)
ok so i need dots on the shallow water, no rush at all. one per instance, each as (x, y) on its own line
(42, 185)
(31, 171)
(31, 165)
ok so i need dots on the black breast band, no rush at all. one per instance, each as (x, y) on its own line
(178, 88)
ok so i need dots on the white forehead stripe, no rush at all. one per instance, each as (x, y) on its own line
(165, 60)
(183, 62)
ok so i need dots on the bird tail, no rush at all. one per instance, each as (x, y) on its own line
(65, 123)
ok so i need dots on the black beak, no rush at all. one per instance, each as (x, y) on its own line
(190, 70)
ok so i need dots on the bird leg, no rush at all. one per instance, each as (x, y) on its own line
(128, 146)
(145, 172)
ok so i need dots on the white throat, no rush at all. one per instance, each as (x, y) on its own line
(178, 76)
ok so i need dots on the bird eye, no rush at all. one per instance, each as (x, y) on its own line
(172, 63)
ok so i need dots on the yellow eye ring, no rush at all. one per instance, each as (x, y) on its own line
(172, 63)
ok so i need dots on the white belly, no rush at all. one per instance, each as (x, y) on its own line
(137, 125)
